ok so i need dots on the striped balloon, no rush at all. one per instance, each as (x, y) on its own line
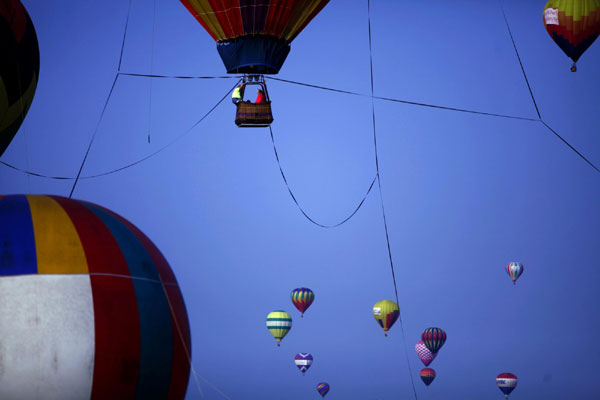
(424, 354)
(303, 361)
(506, 383)
(323, 388)
(302, 299)
(434, 339)
(90, 307)
(279, 324)
(427, 376)
(386, 312)
(514, 270)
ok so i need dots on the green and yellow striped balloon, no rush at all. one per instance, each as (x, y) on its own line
(279, 324)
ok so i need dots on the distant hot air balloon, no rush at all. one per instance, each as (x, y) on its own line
(19, 68)
(323, 388)
(506, 383)
(433, 338)
(279, 324)
(254, 36)
(302, 299)
(427, 376)
(386, 312)
(90, 307)
(303, 361)
(573, 25)
(424, 354)
(514, 270)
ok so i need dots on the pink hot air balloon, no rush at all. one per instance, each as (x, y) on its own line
(424, 354)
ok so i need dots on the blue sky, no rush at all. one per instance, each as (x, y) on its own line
(464, 194)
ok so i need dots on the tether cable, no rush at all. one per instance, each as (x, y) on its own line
(387, 236)
(298, 204)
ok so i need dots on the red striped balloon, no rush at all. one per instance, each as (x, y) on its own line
(90, 307)
(427, 376)
(434, 339)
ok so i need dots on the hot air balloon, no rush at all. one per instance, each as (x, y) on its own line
(424, 354)
(434, 339)
(302, 299)
(253, 37)
(90, 307)
(573, 25)
(323, 388)
(506, 383)
(514, 270)
(386, 312)
(303, 361)
(427, 376)
(19, 68)
(279, 324)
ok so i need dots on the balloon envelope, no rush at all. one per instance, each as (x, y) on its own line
(254, 36)
(302, 298)
(424, 354)
(514, 270)
(386, 312)
(279, 324)
(433, 338)
(19, 68)
(90, 307)
(572, 24)
(323, 388)
(506, 382)
(303, 361)
(427, 376)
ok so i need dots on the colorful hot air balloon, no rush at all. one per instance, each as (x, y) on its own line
(573, 25)
(90, 307)
(302, 299)
(424, 354)
(506, 383)
(434, 339)
(386, 312)
(514, 270)
(427, 376)
(279, 324)
(254, 36)
(323, 388)
(303, 361)
(19, 68)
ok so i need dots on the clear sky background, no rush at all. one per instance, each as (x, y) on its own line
(464, 194)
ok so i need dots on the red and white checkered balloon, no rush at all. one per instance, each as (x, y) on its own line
(424, 354)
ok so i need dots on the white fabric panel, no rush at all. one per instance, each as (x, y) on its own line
(46, 337)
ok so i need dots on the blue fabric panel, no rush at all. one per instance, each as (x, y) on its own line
(253, 54)
(156, 332)
(17, 240)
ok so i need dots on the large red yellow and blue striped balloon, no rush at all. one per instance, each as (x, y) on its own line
(427, 375)
(254, 36)
(573, 25)
(89, 306)
(323, 388)
(433, 338)
(386, 312)
(19, 68)
(514, 270)
(302, 299)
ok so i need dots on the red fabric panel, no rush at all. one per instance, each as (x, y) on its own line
(117, 356)
(221, 14)
(193, 12)
(279, 16)
(234, 16)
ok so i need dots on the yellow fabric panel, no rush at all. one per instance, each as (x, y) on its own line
(57, 244)
(207, 14)
(300, 14)
(574, 8)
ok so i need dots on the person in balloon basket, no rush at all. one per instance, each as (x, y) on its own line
(260, 97)
(238, 93)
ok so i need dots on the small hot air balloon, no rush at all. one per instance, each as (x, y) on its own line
(514, 270)
(573, 25)
(427, 376)
(302, 299)
(424, 354)
(19, 68)
(279, 324)
(386, 312)
(506, 383)
(323, 388)
(434, 339)
(303, 361)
